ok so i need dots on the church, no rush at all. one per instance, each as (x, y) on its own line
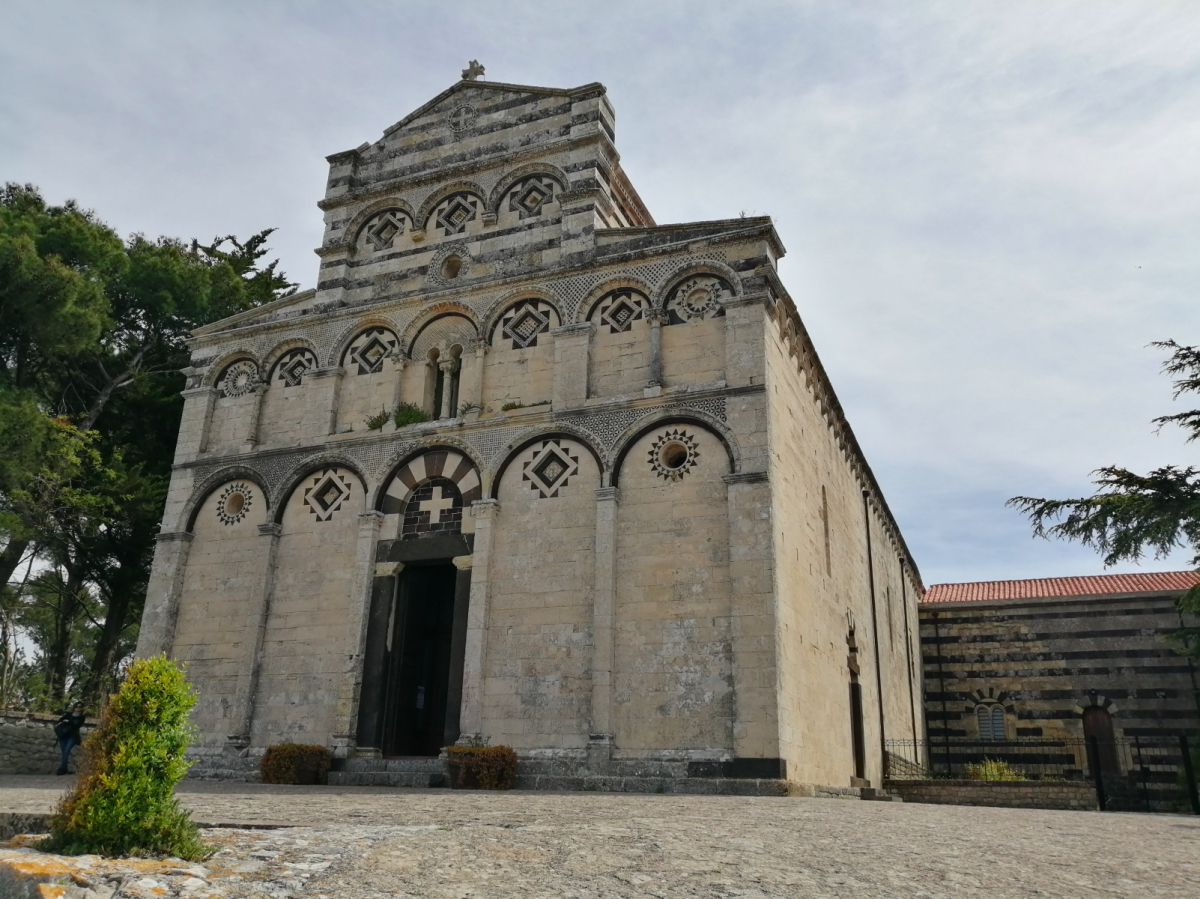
(528, 467)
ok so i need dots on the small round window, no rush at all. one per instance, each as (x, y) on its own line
(233, 503)
(451, 266)
(673, 454)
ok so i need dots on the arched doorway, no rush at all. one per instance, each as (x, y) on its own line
(1097, 723)
(416, 634)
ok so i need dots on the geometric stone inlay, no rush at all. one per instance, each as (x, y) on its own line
(698, 297)
(326, 493)
(382, 229)
(529, 195)
(368, 350)
(673, 454)
(549, 469)
(434, 509)
(455, 211)
(234, 502)
(238, 379)
(292, 365)
(524, 321)
(619, 309)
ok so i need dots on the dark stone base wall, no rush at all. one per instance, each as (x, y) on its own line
(1076, 795)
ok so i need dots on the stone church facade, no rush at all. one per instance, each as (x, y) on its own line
(636, 532)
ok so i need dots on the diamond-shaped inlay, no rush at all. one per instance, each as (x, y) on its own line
(381, 231)
(549, 468)
(529, 195)
(457, 212)
(525, 321)
(366, 353)
(326, 494)
(290, 369)
(620, 308)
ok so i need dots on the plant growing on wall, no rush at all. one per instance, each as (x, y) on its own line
(409, 414)
(124, 802)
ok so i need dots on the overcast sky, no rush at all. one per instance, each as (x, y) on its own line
(990, 209)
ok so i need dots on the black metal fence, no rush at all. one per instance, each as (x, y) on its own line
(1129, 774)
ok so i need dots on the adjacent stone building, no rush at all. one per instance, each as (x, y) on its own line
(1059, 658)
(636, 533)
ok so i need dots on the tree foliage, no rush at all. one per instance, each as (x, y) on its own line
(1132, 515)
(93, 334)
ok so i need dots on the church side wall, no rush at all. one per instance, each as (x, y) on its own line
(538, 680)
(819, 582)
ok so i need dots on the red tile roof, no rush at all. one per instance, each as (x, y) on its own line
(1050, 587)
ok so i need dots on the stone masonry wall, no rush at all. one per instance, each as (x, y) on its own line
(28, 744)
(1000, 794)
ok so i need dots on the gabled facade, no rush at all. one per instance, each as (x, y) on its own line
(636, 533)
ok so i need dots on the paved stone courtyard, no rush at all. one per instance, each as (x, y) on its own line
(353, 843)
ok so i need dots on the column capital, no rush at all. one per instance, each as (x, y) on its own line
(608, 495)
(745, 477)
(485, 508)
(197, 391)
(270, 529)
(175, 537)
(463, 563)
(388, 569)
(582, 329)
(480, 345)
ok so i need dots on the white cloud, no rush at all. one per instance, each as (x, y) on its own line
(990, 209)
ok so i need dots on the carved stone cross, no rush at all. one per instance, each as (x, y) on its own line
(473, 72)
(436, 505)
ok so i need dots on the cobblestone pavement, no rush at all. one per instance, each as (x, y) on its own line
(354, 843)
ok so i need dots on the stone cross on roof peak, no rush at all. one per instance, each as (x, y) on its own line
(473, 71)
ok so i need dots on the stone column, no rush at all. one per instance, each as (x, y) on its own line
(604, 599)
(162, 593)
(237, 741)
(656, 326)
(475, 649)
(745, 329)
(458, 646)
(376, 648)
(448, 368)
(471, 389)
(752, 615)
(253, 438)
(194, 425)
(571, 345)
(346, 714)
(399, 362)
(321, 400)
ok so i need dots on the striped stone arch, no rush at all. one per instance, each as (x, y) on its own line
(430, 495)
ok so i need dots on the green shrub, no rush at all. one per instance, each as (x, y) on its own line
(376, 422)
(510, 405)
(409, 414)
(124, 802)
(992, 769)
(295, 763)
(482, 767)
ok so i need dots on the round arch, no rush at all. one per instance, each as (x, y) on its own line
(213, 375)
(434, 312)
(508, 179)
(282, 347)
(411, 452)
(524, 441)
(297, 475)
(348, 336)
(643, 426)
(431, 201)
(496, 311)
(584, 309)
(359, 220)
(706, 267)
(214, 481)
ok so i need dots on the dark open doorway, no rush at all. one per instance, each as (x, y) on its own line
(418, 662)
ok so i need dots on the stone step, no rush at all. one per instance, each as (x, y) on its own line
(388, 779)
(709, 786)
(874, 795)
(413, 765)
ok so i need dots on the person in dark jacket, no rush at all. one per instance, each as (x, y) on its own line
(67, 729)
